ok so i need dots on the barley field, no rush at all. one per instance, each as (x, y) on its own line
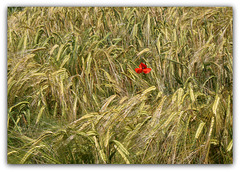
(78, 92)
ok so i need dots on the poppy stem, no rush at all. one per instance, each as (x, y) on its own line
(144, 76)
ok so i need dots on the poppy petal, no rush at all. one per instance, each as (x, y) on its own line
(142, 65)
(138, 70)
(147, 70)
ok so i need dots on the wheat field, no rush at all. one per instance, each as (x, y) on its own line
(74, 96)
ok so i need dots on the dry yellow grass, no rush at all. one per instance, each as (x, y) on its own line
(75, 98)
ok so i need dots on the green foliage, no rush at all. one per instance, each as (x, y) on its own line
(11, 10)
(75, 98)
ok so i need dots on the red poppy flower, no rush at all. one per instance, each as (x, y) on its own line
(142, 68)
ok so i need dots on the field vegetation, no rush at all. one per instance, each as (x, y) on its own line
(74, 96)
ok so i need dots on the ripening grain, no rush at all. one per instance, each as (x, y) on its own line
(74, 96)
